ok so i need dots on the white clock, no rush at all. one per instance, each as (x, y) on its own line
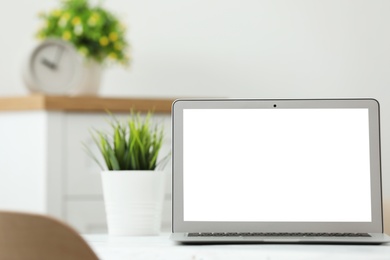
(56, 68)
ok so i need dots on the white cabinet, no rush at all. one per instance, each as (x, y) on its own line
(27, 142)
(45, 169)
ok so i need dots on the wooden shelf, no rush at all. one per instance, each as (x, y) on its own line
(84, 104)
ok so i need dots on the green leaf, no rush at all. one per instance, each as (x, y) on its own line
(90, 153)
(113, 160)
(104, 148)
(119, 146)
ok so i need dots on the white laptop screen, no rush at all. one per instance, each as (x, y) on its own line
(287, 165)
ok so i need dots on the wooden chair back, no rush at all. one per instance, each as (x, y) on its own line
(33, 236)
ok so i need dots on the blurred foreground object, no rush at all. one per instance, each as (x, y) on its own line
(33, 236)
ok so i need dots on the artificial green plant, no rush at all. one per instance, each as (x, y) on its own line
(132, 145)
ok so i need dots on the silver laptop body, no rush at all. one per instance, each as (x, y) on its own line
(277, 170)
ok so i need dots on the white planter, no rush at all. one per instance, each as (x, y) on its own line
(91, 77)
(133, 201)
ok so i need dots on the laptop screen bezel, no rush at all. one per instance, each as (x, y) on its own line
(178, 223)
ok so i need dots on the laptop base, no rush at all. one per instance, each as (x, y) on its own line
(374, 238)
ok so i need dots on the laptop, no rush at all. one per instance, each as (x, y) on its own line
(277, 170)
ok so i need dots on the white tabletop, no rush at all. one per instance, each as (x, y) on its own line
(160, 247)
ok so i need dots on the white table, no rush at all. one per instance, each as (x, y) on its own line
(161, 248)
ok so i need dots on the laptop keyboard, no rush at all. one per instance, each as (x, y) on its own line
(272, 234)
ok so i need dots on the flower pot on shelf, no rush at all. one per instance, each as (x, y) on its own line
(91, 81)
(133, 201)
(78, 27)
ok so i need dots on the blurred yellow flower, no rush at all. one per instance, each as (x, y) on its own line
(56, 13)
(118, 46)
(125, 60)
(76, 20)
(113, 55)
(65, 16)
(40, 36)
(113, 36)
(93, 19)
(83, 50)
(64, 19)
(46, 24)
(122, 26)
(96, 15)
(66, 35)
(103, 41)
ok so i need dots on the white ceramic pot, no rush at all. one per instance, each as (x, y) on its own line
(133, 201)
(91, 79)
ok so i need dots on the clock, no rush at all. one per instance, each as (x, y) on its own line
(54, 67)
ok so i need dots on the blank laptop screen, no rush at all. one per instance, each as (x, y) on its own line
(287, 165)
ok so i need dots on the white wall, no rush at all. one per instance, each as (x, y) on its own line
(234, 48)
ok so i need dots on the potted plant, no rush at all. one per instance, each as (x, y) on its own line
(132, 176)
(97, 34)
